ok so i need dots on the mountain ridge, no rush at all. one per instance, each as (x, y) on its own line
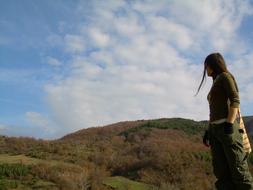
(167, 153)
(123, 125)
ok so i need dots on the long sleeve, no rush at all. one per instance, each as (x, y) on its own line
(231, 90)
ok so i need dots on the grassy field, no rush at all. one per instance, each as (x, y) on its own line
(22, 159)
(12, 166)
(15, 172)
(28, 185)
(117, 182)
(13, 159)
(122, 183)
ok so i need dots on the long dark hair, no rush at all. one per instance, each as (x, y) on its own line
(217, 63)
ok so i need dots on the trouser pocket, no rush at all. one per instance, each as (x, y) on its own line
(228, 128)
(230, 134)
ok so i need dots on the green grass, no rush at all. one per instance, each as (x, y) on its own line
(13, 159)
(7, 184)
(22, 159)
(41, 184)
(188, 126)
(13, 170)
(122, 183)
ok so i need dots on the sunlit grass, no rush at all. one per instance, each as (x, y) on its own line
(122, 183)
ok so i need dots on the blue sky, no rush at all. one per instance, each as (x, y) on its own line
(67, 65)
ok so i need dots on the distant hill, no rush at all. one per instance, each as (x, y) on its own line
(162, 154)
(111, 129)
(248, 121)
(118, 127)
(186, 125)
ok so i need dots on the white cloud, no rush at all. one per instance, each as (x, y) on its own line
(99, 38)
(55, 40)
(247, 93)
(242, 68)
(53, 61)
(135, 60)
(211, 22)
(74, 43)
(2, 127)
(39, 121)
(36, 118)
(172, 32)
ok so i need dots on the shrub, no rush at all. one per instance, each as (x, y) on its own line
(15, 171)
(6, 184)
(188, 126)
(65, 176)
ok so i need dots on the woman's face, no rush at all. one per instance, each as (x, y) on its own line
(209, 71)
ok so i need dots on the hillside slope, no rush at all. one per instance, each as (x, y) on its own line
(248, 121)
(165, 153)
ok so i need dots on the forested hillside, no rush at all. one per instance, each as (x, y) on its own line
(159, 154)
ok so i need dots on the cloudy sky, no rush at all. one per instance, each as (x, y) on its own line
(67, 65)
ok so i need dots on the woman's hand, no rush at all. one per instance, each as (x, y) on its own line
(206, 139)
(228, 128)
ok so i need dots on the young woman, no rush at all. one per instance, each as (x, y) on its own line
(229, 159)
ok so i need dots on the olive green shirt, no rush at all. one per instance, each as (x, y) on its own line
(223, 95)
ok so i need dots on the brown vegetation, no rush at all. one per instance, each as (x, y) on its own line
(165, 153)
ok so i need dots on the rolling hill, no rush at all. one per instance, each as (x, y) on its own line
(165, 153)
(248, 121)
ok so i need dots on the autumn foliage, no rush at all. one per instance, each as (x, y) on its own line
(167, 153)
